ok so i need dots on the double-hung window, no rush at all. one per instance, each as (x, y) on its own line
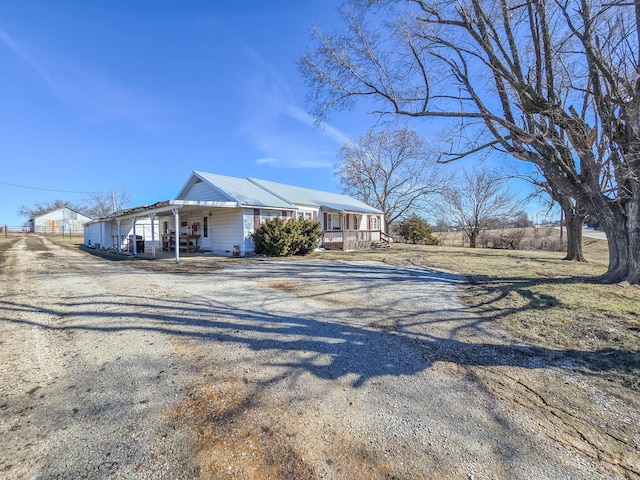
(269, 215)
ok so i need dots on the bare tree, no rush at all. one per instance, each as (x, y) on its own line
(477, 201)
(42, 208)
(574, 213)
(555, 83)
(102, 204)
(392, 170)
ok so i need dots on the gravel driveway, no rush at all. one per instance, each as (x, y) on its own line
(271, 369)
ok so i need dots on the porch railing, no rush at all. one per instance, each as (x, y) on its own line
(385, 237)
(350, 239)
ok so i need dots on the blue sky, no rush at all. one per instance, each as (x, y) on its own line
(133, 96)
(136, 95)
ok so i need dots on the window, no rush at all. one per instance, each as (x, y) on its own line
(269, 215)
(306, 215)
(334, 222)
(355, 222)
(205, 227)
(374, 223)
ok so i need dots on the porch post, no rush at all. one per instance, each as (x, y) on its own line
(152, 217)
(176, 219)
(118, 221)
(135, 238)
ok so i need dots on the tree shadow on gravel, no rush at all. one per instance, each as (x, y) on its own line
(341, 340)
(325, 347)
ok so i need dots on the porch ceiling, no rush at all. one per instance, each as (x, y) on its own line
(185, 206)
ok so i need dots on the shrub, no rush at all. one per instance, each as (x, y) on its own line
(416, 230)
(546, 240)
(278, 238)
(506, 239)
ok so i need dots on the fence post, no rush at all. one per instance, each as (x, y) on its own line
(6, 234)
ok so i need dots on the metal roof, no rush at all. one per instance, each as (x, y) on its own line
(252, 192)
(245, 192)
(316, 198)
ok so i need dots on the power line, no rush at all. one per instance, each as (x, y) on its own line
(45, 189)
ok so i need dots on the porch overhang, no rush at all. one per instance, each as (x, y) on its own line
(166, 206)
(348, 210)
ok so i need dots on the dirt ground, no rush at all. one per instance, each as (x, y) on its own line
(278, 370)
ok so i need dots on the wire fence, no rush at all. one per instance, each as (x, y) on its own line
(63, 231)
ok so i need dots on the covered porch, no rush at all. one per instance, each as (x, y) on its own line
(352, 230)
(171, 227)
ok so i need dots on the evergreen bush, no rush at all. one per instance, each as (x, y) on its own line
(280, 238)
(416, 230)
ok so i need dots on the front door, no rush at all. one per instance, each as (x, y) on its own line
(205, 233)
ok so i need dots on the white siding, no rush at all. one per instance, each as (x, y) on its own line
(92, 234)
(202, 191)
(226, 230)
(105, 234)
(98, 234)
(248, 226)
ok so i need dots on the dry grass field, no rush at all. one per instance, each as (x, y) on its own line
(533, 294)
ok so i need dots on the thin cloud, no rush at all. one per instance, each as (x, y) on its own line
(326, 129)
(268, 161)
(8, 42)
(279, 128)
(92, 96)
(96, 98)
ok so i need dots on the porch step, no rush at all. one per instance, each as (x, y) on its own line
(380, 244)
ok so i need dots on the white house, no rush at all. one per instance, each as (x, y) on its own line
(217, 214)
(62, 220)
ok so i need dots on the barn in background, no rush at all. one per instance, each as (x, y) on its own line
(62, 221)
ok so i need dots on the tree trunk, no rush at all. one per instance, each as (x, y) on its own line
(574, 239)
(618, 250)
(574, 220)
(623, 244)
(473, 237)
(633, 235)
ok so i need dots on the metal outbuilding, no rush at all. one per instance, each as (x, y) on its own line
(60, 221)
